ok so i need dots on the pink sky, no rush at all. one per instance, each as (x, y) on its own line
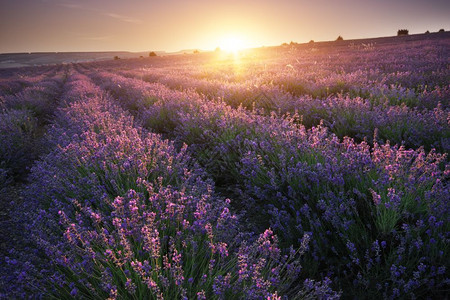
(171, 25)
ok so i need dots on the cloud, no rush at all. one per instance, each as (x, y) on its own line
(123, 18)
(98, 38)
(72, 5)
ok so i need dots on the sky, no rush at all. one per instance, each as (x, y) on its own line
(173, 25)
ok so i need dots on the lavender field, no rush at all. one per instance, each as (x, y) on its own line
(304, 171)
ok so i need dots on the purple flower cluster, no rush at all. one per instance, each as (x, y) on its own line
(320, 185)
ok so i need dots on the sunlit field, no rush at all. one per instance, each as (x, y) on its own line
(303, 171)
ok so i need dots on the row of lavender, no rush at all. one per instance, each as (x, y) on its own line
(345, 116)
(369, 84)
(397, 74)
(26, 104)
(377, 215)
(115, 211)
(403, 93)
(13, 81)
(412, 65)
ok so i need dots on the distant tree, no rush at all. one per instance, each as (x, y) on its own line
(339, 38)
(140, 56)
(311, 41)
(196, 51)
(116, 57)
(152, 54)
(427, 32)
(292, 43)
(402, 32)
(441, 30)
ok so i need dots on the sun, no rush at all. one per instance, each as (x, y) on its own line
(232, 43)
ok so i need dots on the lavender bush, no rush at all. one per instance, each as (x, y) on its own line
(19, 146)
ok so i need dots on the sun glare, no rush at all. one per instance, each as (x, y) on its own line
(232, 44)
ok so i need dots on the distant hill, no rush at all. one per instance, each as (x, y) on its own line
(383, 40)
(13, 60)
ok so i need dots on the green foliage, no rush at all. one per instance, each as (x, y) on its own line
(402, 32)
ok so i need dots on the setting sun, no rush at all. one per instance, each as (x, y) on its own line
(232, 43)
